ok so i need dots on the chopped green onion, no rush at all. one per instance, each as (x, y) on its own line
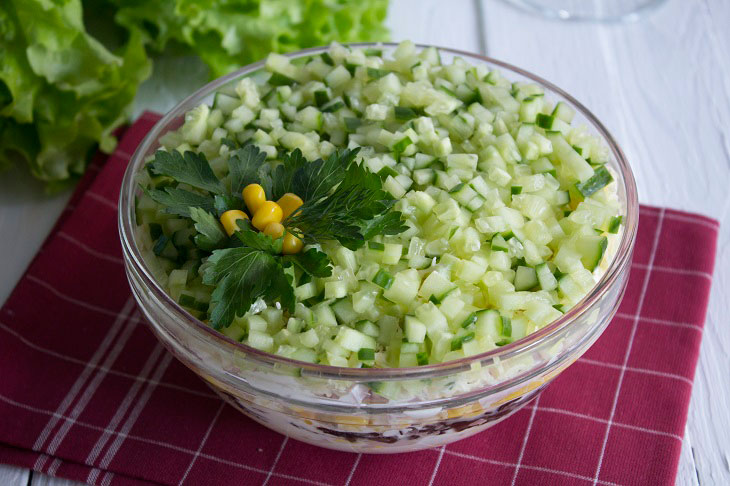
(422, 358)
(366, 354)
(516, 189)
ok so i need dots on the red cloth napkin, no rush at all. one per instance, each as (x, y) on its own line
(87, 393)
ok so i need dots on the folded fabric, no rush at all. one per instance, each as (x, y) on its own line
(88, 393)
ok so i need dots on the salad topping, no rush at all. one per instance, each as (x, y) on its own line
(424, 212)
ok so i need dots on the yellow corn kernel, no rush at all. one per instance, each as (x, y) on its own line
(289, 203)
(268, 212)
(254, 196)
(349, 419)
(229, 218)
(275, 230)
(291, 244)
(470, 410)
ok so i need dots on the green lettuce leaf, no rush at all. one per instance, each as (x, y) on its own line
(68, 91)
(64, 90)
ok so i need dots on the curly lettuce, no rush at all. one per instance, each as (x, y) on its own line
(63, 91)
(228, 34)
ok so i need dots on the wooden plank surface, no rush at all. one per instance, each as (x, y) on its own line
(662, 86)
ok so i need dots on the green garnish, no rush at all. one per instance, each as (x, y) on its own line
(343, 201)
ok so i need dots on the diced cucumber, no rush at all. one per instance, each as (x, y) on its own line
(570, 158)
(368, 328)
(489, 323)
(383, 279)
(545, 277)
(525, 278)
(508, 208)
(499, 243)
(615, 224)
(415, 330)
(591, 249)
(600, 179)
(353, 340)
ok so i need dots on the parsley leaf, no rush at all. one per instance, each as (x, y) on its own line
(312, 261)
(314, 180)
(343, 201)
(211, 235)
(224, 202)
(282, 289)
(283, 173)
(179, 201)
(241, 276)
(389, 223)
(244, 165)
(352, 213)
(191, 168)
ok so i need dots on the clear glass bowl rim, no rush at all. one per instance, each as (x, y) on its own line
(621, 260)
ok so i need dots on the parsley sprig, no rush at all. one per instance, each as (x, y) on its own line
(343, 201)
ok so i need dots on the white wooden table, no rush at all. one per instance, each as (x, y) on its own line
(662, 86)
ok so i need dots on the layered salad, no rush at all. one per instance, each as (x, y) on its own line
(359, 210)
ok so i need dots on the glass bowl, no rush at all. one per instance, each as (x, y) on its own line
(379, 410)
